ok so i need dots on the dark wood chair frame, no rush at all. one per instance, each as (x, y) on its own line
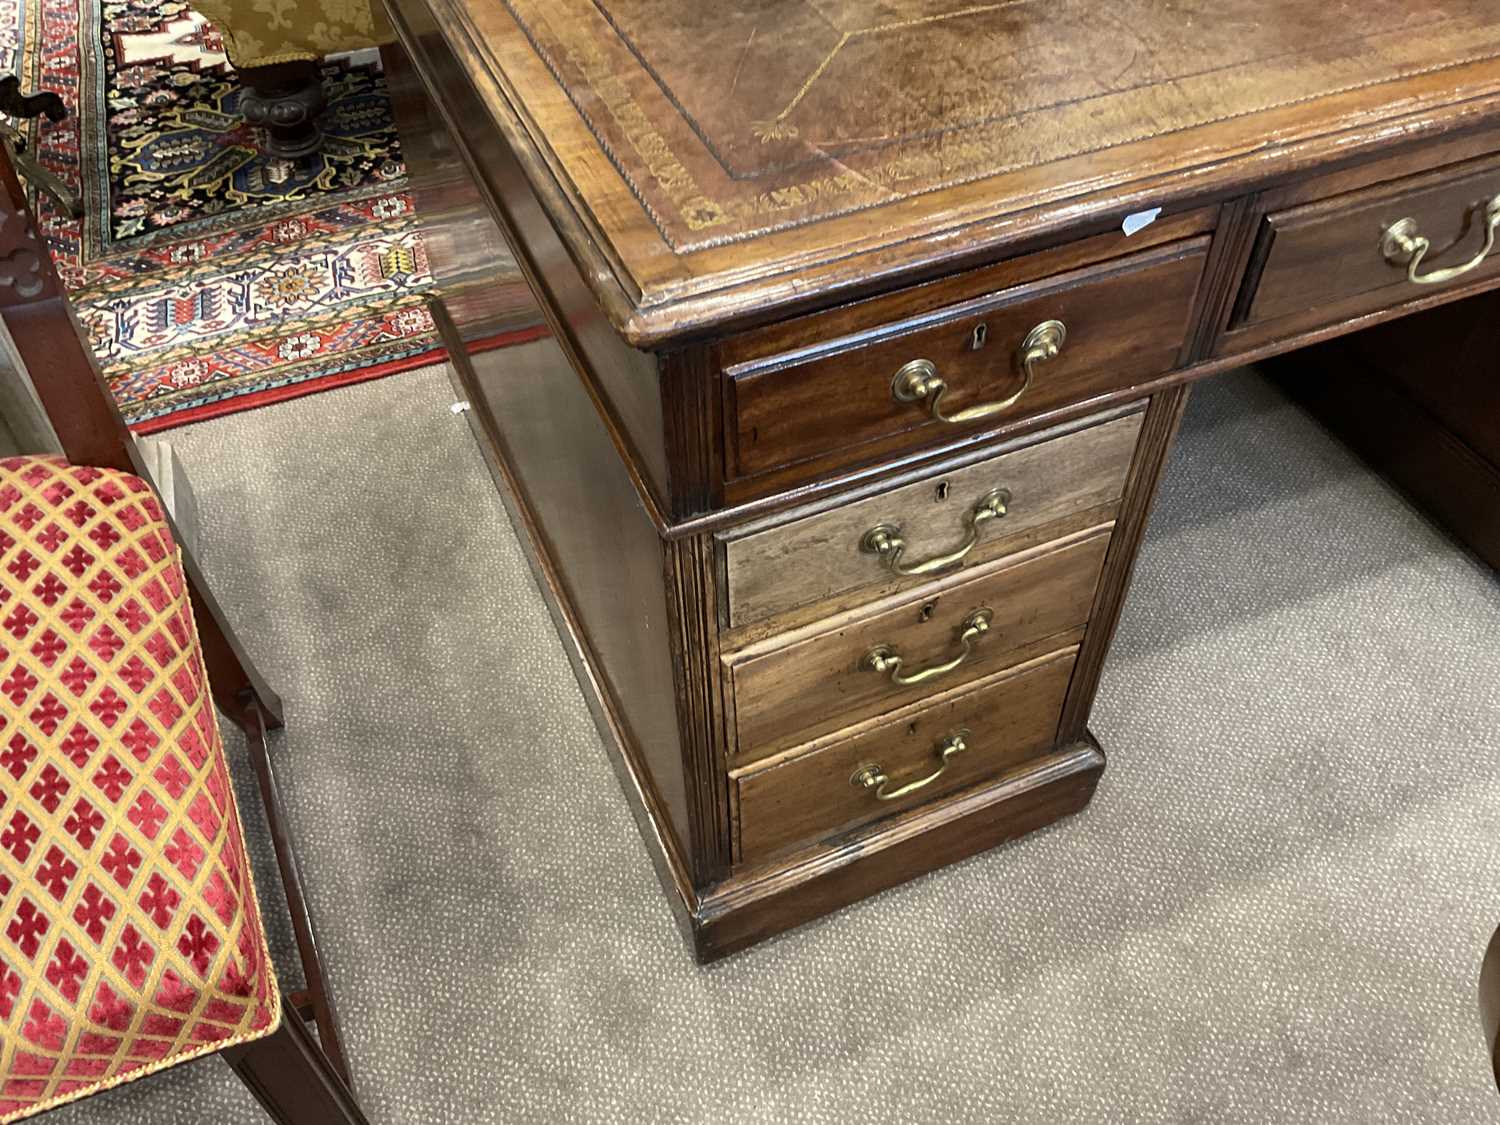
(298, 1079)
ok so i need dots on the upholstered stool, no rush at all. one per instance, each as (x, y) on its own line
(277, 49)
(130, 935)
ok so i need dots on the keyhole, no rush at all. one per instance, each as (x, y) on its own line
(980, 338)
(927, 611)
(942, 491)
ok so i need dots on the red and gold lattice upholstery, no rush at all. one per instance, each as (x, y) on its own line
(130, 937)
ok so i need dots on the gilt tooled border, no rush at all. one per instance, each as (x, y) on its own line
(680, 247)
(603, 141)
(977, 123)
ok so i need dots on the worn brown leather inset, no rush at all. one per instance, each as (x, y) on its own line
(730, 119)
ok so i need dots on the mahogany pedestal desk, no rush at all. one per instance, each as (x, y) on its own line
(872, 325)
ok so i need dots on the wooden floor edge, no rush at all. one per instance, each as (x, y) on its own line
(739, 914)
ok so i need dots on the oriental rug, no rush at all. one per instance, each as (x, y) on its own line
(209, 276)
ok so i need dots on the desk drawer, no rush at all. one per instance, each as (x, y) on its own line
(1336, 253)
(832, 553)
(832, 785)
(797, 686)
(876, 393)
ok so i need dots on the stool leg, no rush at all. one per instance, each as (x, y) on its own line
(317, 991)
(292, 1078)
(231, 676)
(286, 100)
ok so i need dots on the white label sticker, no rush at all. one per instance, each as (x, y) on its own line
(1140, 220)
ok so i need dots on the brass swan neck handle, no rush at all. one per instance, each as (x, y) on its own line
(885, 540)
(919, 381)
(1403, 243)
(884, 659)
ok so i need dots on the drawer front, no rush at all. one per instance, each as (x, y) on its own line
(795, 687)
(1336, 250)
(949, 516)
(835, 784)
(1123, 322)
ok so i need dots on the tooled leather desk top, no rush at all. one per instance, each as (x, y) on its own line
(704, 148)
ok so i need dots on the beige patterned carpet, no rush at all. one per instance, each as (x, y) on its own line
(1273, 912)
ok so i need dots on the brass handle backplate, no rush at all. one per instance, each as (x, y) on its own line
(885, 540)
(919, 381)
(1403, 244)
(884, 660)
(874, 776)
